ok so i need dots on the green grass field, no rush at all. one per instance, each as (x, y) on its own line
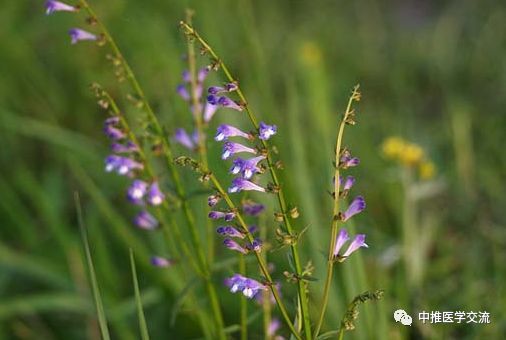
(431, 72)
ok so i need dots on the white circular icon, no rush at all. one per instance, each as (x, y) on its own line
(401, 316)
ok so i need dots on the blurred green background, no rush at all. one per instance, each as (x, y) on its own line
(432, 72)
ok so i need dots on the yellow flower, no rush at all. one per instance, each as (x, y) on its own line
(411, 154)
(392, 147)
(426, 170)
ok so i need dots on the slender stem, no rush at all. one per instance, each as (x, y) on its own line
(260, 260)
(335, 219)
(280, 195)
(172, 170)
(244, 302)
(266, 298)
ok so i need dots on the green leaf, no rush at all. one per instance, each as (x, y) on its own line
(94, 284)
(140, 312)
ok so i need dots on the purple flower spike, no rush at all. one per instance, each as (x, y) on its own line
(221, 89)
(183, 92)
(252, 208)
(266, 131)
(230, 148)
(124, 148)
(209, 112)
(213, 200)
(224, 131)
(113, 132)
(358, 242)
(249, 287)
(340, 241)
(229, 103)
(137, 190)
(183, 138)
(57, 6)
(145, 220)
(161, 262)
(155, 195)
(357, 206)
(232, 245)
(240, 184)
(77, 34)
(347, 161)
(230, 231)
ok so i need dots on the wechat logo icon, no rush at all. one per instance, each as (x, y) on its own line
(401, 316)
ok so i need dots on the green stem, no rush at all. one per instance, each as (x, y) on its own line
(244, 302)
(280, 195)
(335, 219)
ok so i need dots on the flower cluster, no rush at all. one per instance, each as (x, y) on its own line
(248, 287)
(409, 155)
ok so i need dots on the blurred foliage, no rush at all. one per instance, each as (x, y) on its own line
(432, 72)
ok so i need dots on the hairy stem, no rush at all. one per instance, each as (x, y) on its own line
(335, 219)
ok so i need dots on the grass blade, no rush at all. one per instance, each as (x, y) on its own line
(140, 312)
(94, 284)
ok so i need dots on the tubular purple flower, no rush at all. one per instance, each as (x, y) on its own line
(161, 262)
(57, 6)
(77, 34)
(250, 167)
(136, 191)
(203, 73)
(347, 161)
(266, 131)
(227, 216)
(230, 231)
(122, 165)
(224, 131)
(224, 102)
(239, 184)
(348, 183)
(183, 92)
(256, 245)
(253, 209)
(182, 137)
(145, 220)
(221, 89)
(236, 165)
(209, 112)
(155, 195)
(249, 287)
(358, 242)
(113, 132)
(124, 148)
(341, 239)
(230, 148)
(232, 245)
(357, 206)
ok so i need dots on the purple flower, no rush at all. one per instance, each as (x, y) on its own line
(122, 165)
(183, 92)
(114, 120)
(213, 200)
(136, 191)
(253, 209)
(229, 231)
(124, 148)
(266, 131)
(348, 183)
(347, 161)
(209, 111)
(220, 89)
(183, 138)
(224, 102)
(249, 287)
(57, 6)
(227, 216)
(239, 184)
(246, 167)
(203, 73)
(232, 245)
(162, 262)
(110, 129)
(357, 206)
(341, 239)
(145, 220)
(256, 245)
(224, 131)
(77, 34)
(274, 325)
(230, 148)
(155, 195)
